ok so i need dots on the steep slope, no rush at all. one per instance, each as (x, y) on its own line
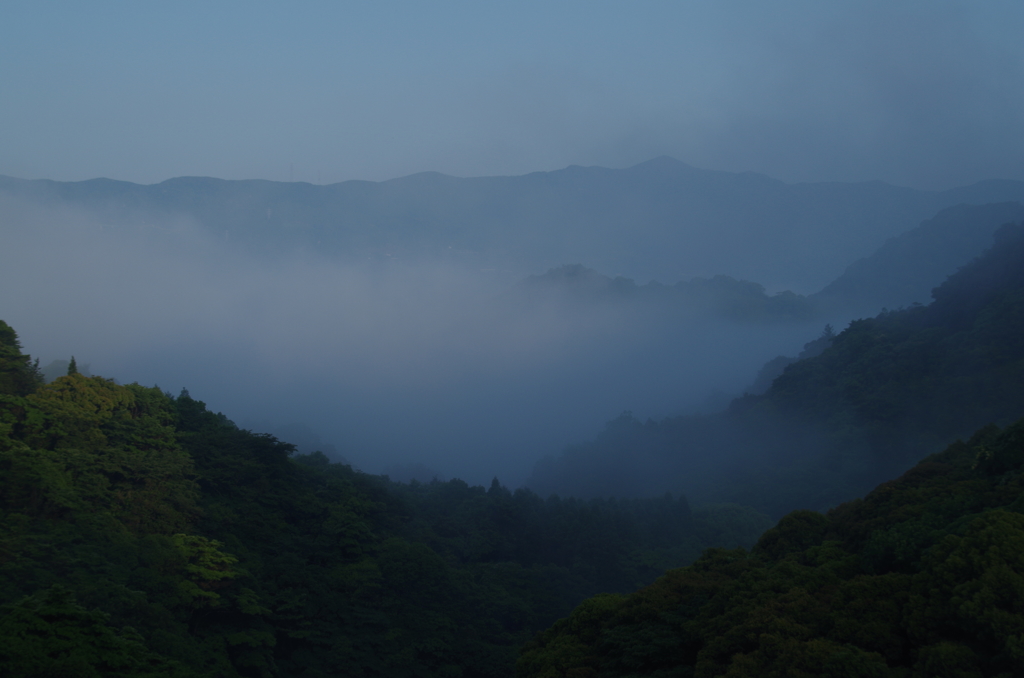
(887, 391)
(922, 577)
(142, 534)
(906, 268)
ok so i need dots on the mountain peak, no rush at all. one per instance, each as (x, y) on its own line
(663, 162)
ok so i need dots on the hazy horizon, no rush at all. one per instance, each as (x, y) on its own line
(395, 364)
(498, 176)
(919, 94)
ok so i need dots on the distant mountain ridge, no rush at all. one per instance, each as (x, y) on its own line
(902, 272)
(660, 219)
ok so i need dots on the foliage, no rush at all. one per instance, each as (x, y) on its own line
(89, 444)
(228, 555)
(922, 577)
(49, 634)
(18, 375)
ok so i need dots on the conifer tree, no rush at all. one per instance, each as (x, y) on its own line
(18, 374)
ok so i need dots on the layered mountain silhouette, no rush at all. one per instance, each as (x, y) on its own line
(661, 219)
(858, 407)
(901, 273)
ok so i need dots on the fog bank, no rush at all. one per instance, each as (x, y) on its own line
(391, 363)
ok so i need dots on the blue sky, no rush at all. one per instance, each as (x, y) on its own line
(927, 94)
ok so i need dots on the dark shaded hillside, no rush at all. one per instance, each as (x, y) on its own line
(922, 577)
(661, 219)
(143, 535)
(906, 268)
(887, 391)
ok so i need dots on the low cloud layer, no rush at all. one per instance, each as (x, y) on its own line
(392, 364)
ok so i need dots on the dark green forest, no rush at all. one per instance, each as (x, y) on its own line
(142, 534)
(922, 577)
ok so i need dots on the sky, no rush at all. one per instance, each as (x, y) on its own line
(922, 94)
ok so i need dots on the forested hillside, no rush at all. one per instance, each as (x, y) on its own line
(886, 392)
(923, 577)
(907, 267)
(143, 535)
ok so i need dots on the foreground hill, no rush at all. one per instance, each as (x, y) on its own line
(885, 392)
(922, 577)
(661, 219)
(143, 535)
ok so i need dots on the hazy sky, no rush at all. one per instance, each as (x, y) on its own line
(927, 94)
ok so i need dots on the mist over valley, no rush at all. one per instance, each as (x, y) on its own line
(287, 305)
(479, 340)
